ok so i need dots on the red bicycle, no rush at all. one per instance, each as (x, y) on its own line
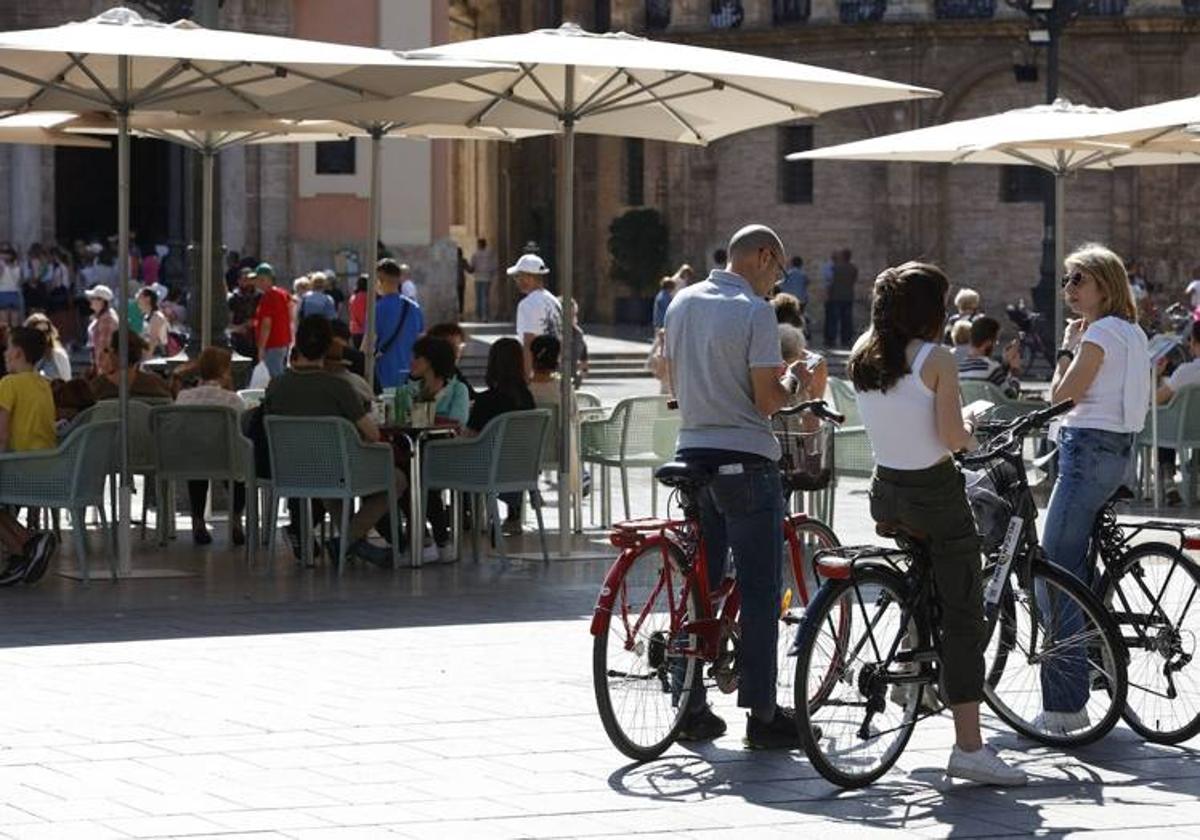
(659, 619)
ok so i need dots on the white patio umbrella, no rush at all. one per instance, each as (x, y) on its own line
(1059, 138)
(119, 63)
(621, 85)
(44, 129)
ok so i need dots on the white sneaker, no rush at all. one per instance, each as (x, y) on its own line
(983, 766)
(1061, 723)
(438, 554)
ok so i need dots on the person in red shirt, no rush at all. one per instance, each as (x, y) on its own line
(272, 321)
(358, 311)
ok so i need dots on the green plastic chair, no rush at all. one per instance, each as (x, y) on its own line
(624, 440)
(1178, 429)
(505, 457)
(141, 446)
(852, 454)
(69, 477)
(324, 458)
(1006, 408)
(203, 442)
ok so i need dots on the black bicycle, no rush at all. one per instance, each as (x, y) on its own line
(1047, 633)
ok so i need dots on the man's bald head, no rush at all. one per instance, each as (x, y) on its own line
(751, 238)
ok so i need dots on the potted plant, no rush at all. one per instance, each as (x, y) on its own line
(637, 244)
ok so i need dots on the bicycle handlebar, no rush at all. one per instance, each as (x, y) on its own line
(819, 409)
(1015, 429)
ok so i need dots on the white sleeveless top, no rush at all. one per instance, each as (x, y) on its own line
(902, 423)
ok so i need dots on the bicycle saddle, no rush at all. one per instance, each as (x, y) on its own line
(679, 474)
(892, 530)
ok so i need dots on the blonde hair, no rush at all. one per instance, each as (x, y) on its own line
(1107, 269)
(966, 299)
(301, 285)
(36, 320)
(960, 332)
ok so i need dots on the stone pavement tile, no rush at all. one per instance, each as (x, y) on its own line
(458, 787)
(32, 755)
(78, 830)
(265, 819)
(16, 816)
(241, 835)
(173, 826)
(92, 808)
(564, 782)
(117, 750)
(255, 797)
(387, 771)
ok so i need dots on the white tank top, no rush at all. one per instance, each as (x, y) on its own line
(902, 423)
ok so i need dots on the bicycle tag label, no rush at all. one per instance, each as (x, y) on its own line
(1008, 550)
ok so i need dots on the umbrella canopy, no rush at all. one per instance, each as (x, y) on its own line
(119, 63)
(621, 85)
(1164, 133)
(44, 129)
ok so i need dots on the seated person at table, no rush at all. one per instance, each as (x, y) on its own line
(1186, 374)
(979, 363)
(339, 362)
(356, 360)
(215, 387)
(26, 424)
(141, 383)
(507, 391)
(546, 385)
(307, 390)
(433, 367)
(457, 336)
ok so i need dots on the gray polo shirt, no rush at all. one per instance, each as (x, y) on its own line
(717, 330)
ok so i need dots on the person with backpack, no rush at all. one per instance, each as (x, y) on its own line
(398, 323)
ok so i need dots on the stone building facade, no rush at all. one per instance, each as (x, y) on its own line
(983, 224)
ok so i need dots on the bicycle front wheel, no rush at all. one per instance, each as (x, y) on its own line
(803, 538)
(858, 727)
(642, 685)
(1056, 665)
(1151, 594)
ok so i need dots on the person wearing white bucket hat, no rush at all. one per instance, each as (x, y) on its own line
(104, 321)
(539, 312)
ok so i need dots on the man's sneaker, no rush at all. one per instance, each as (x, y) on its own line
(701, 725)
(983, 766)
(38, 551)
(1061, 723)
(779, 734)
(376, 555)
(439, 554)
(14, 570)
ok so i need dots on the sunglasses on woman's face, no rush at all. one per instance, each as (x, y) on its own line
(1075, 279)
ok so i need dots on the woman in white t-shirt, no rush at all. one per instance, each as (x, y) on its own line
(1104, 367)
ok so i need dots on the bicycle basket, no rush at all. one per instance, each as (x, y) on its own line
(806, 446)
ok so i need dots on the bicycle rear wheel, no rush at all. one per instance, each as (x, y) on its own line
(855, 731)
(798, 587)
(642, 687)
(1054, 645)
(1151, 594)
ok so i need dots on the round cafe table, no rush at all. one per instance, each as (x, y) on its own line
(407, 443)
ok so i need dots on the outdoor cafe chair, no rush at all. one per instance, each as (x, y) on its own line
(626, 440)
(1005, 408)
(70, 477)
(1178, 429)
(506, 457)
(203, 443)
(852, 454)
(324, 458)
(141, 445)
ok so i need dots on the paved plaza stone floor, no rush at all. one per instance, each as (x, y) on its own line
(450, 701)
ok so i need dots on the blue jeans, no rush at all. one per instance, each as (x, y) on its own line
(742, 512)
(482, 288)
(1091, 466)
(275, 358)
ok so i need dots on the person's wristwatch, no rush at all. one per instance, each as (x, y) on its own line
(1064, 353)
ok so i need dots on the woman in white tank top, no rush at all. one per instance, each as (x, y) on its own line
(907, 388)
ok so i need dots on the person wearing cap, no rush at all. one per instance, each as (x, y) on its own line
(272, 321)
(103, 324)
(398, 322)
(539, 312)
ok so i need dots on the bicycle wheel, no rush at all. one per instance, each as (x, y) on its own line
(859, 727)
(798, 586)
(1054, 645)
(642, 688)
(1150, 593)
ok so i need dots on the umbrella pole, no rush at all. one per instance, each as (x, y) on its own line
(566, 253)
(371, 254)
(1060, 227)
(207, 159)
(124, 494)
(1152, 455)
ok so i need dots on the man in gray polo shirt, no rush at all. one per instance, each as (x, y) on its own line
(722, 348)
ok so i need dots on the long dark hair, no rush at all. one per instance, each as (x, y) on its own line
(909, 301)
(506, 366)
